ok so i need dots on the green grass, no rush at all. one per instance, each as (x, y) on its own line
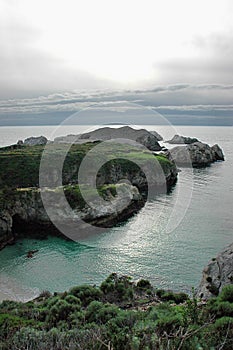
(19, 165)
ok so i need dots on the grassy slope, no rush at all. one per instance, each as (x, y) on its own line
(19, 166)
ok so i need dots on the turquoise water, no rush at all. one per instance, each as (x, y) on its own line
(143, 246)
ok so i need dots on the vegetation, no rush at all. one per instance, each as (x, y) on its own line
(74, 196)
(20, 164)
(120, 315)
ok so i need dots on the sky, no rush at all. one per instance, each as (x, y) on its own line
(58, 56)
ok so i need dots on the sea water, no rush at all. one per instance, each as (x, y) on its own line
(202, 203)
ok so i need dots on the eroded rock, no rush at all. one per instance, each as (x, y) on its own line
(217, 274)
(197, 154)
(33, 141)
(177, 139)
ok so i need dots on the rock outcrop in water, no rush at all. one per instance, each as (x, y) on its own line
(197, 154)
(217, 274)
(177, 139)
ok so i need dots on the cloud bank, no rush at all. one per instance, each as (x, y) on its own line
(172, 101)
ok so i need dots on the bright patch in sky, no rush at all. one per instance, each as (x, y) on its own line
(120, 40)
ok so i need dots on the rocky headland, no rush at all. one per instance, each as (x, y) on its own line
(21, 207)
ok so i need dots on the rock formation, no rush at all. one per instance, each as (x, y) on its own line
(177, 139)
(33, 141)
(197, 154)
(24, 214)
(157, 135)
(217, 274)
(146, 138)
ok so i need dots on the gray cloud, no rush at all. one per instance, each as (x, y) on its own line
(179, 99)
(28, 71)
(212, 62)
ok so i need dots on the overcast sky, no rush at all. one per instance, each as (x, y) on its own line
(171, 53)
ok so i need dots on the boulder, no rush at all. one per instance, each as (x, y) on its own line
(33, 141)
(217, 274)
(157, 135)
(218, 153)
(197, 154)
(177, 139)
(146, 138)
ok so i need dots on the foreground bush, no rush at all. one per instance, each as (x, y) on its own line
(119, 315)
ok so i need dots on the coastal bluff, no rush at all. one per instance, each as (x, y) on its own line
(217, 274)
(23, 213)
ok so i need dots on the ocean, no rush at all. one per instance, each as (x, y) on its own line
(168, 242)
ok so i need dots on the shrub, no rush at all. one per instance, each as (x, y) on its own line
(45, 294)
(9, 324)
(71, 299)
(101, 313)
(170, 296)
(117, 288)
(86, 294)
(227, 293)
(60, 311)
(169, 323)
(144, 284)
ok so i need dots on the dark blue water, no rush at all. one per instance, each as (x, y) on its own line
(169, 241)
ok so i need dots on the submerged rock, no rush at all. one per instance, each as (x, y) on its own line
(217, 274)
(177, 139)
(197, 154)
(30, 253)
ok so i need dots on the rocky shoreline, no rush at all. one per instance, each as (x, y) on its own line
(24, 215)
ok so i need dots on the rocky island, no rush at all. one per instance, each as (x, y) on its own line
(196, 154)
(177, 139)
(21, 209)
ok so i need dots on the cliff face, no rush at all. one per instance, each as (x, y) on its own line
(24, 213)
(217, 274)
(115, 171)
